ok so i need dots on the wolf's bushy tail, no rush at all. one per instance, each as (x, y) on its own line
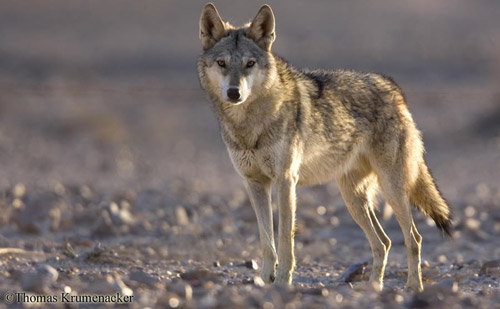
(426, 196)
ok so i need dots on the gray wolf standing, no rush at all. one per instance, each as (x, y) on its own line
(294, 127)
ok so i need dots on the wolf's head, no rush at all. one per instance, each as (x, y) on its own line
(236, 63)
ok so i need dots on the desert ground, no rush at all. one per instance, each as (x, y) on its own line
(114, 178)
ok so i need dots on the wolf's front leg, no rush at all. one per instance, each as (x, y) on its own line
(260, 197)
(286, 202)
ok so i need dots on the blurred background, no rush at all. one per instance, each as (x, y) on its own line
(100, 103)
(107, 92)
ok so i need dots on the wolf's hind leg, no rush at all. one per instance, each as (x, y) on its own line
(358, 190)
(413, 242)
(260, 197)
(380, 231)
(394, 178)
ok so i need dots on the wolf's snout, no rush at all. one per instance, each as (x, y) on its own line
(233, 94)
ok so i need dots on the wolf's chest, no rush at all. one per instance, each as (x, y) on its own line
(255, 163)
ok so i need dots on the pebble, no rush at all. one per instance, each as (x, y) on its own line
(55, 219)
(257, 281)
(68, 250)
(472, 224)
(121, 215)
(470, 211)
(145, 278)
(491, 268)
(181, 215)
(425, 264)
(355, 272)
(198, 274)
(251, 264)
(19, 190)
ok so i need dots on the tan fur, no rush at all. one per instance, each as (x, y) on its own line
(297, 127)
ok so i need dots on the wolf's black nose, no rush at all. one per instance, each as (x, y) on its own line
(233, 93)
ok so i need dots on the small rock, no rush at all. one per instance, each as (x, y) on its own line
(86, 192)
(68, 250)
(425, 264)
(28, 228)
(470, 211)
(145, 278)
(472, 224)
(257, 281)
(355, 272)
(126, 216)
(181, 215)
(198, 274)
(59, 188)
(120, 215)
(252, 264)
(491, 268)
(316, 291)
(216, 264)
(55, 219)
(19, 190)
(208, 285)
(17, 203)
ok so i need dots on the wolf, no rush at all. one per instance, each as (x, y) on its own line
(286, 127)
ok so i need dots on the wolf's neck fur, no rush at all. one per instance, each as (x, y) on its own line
(239, 121)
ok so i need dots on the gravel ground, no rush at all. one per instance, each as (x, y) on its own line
(114, 178)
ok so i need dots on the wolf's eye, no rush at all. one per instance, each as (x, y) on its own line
(221, 63)
(250, 63)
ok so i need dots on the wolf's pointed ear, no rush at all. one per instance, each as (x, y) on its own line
(261, 29)
(211, 26)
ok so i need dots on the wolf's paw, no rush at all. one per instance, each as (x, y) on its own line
(414, 287)
(268, 278)
(268, 272)
(377, 282)
(283, 278)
